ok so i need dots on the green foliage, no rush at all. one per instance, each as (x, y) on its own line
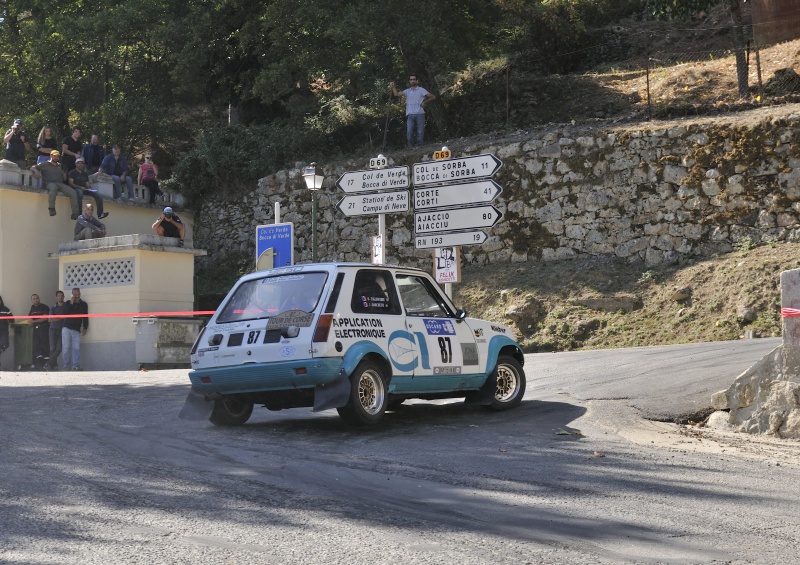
(680, 9)
(229, 157)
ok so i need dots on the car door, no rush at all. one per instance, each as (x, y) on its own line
(448, 354)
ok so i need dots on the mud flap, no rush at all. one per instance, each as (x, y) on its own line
(485, 395)
(196, 407)
(334, 394)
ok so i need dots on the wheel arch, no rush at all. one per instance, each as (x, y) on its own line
(366, 350)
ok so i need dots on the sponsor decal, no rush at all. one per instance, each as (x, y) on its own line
(287, 351)
(206, 349)
(479, 332)
(436, 326)
(498, 329)
(469, 351)
(480, 341)
(290, 318)
(447, 370)
(354, 328)
(284, 278)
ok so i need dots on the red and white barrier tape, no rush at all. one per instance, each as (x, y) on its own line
(113, 315)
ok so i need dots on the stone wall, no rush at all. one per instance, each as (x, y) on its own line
(655, 192)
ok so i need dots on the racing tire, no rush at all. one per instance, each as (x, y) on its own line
(368, 398)
(510, 384)
(230, 411)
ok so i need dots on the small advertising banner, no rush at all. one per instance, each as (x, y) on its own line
(377, 250)
(447, 264)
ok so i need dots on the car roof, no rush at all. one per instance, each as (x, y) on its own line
(330, 267)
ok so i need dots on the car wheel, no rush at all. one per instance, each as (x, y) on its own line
(368, 398)
(231, 411)
(510, 383)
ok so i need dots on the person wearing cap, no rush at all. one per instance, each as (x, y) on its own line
(87, 226)
(71, 149)
(54, 177)
(17, 142)
(78, 179)
(170, 225)
(115, 166)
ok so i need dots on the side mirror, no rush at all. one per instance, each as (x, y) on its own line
(461, 314)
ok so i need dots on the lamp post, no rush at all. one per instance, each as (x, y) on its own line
(313, 183)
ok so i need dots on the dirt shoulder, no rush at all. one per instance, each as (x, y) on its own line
(594, 303)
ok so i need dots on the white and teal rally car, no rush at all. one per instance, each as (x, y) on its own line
(355, 337)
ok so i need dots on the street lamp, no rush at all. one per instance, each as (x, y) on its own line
(313, 183)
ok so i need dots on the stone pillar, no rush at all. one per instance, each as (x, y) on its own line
(790, 298)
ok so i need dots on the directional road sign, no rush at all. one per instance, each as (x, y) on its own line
(274, 245)
(460, 168)
(468, 193)
(457, 219)
(475, 237)
(374, 203)
(375, 179)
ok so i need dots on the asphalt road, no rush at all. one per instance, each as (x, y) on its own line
(97, 468)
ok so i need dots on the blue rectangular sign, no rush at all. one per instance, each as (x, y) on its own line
(275, 241)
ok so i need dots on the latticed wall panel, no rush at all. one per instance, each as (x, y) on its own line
(117, 272)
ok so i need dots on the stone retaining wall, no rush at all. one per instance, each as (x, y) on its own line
(654, 192)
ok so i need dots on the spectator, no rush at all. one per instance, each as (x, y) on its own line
(73, 329)
(54, 178)
(41, 332)
(148, 176)
(93, 154)
(78, 179)
(416, 98)
(170, 225)
(4, 311)
(87, 226)
(71, 149)
(45, 143)
(115, 166)
(17, 142)
(55, 330)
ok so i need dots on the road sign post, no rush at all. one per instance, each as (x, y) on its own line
(452, 195)
(375, 179)
(457, 169)
(374, 203)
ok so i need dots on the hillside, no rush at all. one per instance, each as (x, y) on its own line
(594, 303)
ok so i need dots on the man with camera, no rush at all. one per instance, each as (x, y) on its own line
(17, 143)
(170, 225)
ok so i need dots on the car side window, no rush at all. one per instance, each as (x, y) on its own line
(374, 292)
(419, 299)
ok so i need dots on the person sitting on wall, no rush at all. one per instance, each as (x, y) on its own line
(54, 179)
(148, 176)
(78, 179)
(87, 226)
(116, 166)
(170, 225)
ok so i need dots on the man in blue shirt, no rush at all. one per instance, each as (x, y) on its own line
(115, 166)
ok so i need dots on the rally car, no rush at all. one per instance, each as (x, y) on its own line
(360, 338)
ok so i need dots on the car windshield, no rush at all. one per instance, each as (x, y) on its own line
(269, 296)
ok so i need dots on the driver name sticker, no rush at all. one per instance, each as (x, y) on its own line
(439, 327)
(447, 370)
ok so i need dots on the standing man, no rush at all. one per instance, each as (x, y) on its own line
(170, 225)
(416, 99)
(54, 178)
(73, 329)
(93, 154)
(78, 179)
(115, 166)
(17, 142)
(55, 330)
(71, 149)
(87, 226)
(4, 312)
(41, 332)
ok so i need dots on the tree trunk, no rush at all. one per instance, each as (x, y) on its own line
(740, 43)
